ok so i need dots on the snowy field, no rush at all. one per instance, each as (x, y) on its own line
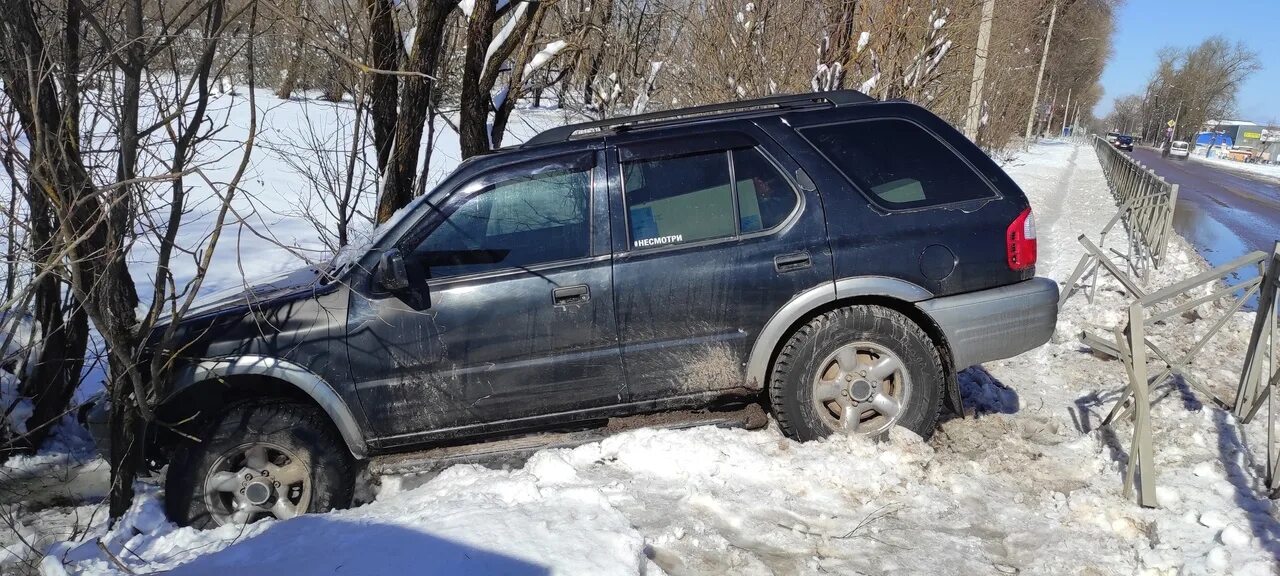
(1029, 485)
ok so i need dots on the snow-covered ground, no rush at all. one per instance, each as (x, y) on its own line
(1268, 170)
(1028, 485)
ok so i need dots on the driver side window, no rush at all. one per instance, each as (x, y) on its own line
(514, 224)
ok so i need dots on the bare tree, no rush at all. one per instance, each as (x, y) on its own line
(95, 212)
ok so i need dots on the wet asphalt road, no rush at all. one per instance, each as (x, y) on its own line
(1221, 212)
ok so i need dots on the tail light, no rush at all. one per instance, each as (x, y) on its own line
(1020, 241)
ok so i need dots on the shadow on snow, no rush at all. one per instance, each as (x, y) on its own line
(316, 544)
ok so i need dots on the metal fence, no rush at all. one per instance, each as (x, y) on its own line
(1259, 377)
(1146, 204)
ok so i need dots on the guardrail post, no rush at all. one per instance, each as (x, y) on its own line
(1250, 392)
(1170, 207)
(1140, 451)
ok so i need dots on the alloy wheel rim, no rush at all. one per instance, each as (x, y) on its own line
(257, 480)
(861, 388)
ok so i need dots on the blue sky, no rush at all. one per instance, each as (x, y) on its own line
(1144, 26)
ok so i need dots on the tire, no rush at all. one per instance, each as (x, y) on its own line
(813, 363)
(313, 470)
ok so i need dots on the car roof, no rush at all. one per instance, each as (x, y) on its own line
(769, 106)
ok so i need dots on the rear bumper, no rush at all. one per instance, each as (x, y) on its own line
(997, 323)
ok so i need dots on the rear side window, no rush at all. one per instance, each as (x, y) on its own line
(703, 196)
(897, 163)
(678, 200)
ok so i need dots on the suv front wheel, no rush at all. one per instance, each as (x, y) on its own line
(857, 370)
(258, 460)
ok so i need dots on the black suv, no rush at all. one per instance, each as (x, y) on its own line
(837, 257)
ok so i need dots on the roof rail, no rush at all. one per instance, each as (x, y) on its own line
(825, 99)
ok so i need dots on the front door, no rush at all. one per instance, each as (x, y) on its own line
(509, 313)
(713, 237)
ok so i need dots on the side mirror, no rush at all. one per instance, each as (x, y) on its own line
(391, 274)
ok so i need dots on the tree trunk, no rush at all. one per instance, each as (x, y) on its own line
(126, 431)
(473, 109)
(416, 101)
(480, 69)
(290, 81)
(64, 338)
(111, 290)
(516, 81)
(384, 48)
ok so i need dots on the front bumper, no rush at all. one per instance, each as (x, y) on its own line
(998, 323)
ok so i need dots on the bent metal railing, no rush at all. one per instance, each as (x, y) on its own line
(1146, 203)
(1259, 379)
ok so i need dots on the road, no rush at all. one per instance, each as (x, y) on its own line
(1221, 212)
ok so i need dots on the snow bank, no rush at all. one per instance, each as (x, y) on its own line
(472, 520)
(1267, 170)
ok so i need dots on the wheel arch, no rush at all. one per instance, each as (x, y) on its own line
(892, 293)
(221, 382)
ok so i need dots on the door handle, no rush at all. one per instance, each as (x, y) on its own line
(792, 262)
(571, 294)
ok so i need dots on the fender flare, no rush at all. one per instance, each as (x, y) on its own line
(804, 303)
(305, 380)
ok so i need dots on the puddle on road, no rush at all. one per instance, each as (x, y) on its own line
(1215, 242)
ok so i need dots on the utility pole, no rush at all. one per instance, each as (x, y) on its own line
(1176, 116)
(1065, 113)
(1172, 132)
(974, 117)
(1044, 58)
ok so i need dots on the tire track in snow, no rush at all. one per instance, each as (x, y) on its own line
(1057, 205)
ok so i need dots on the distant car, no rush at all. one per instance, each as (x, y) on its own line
(1112, 137)
(1179, 149)
(1125, 143)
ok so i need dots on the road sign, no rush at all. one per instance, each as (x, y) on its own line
(1172, 123)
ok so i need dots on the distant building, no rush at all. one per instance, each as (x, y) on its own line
(1241, 132)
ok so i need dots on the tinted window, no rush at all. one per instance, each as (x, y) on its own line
(898, 163)
(678, 200)
(517, 223)
(765, 197)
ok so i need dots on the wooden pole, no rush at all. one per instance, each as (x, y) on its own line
(1066, 112)
(973, 118)
(1044, 58)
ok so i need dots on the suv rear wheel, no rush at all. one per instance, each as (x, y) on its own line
(858, 370)
(260, 460)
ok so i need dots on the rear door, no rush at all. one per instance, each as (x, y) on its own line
(712, 235)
